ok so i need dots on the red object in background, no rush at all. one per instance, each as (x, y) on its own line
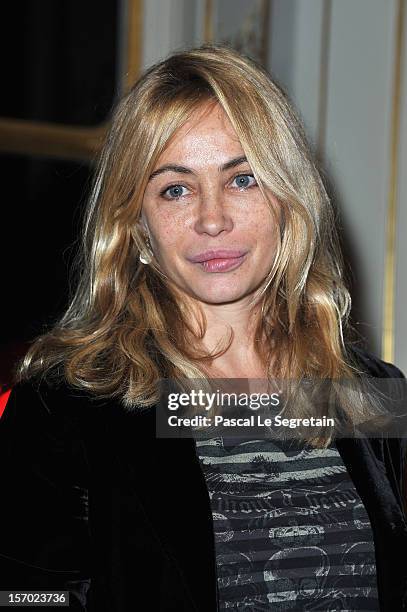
(10, 354)
(3, 400)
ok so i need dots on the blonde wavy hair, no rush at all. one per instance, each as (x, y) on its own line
(124, 328)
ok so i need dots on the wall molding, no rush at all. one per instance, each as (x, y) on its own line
(69, 141)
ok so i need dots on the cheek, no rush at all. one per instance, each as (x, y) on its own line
(166, 232)
(268, 233)
(262, 228)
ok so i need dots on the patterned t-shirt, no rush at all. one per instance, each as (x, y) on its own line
(291, 532)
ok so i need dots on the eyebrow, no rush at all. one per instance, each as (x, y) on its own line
(232, 163)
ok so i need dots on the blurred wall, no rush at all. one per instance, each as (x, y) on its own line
(343, 63)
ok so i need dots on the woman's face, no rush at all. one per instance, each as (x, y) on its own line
(210, 227)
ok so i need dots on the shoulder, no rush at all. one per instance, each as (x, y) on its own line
(390, 450)
(64, 411)
(37, 404)
(371, 364)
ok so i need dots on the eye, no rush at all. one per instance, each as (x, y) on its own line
(174, 192)
(244, 181)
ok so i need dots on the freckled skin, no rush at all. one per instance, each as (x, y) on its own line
(212, 212)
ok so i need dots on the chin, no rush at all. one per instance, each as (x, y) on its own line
(217, 296)
(215, 290)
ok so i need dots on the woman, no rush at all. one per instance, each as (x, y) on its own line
(209, 251)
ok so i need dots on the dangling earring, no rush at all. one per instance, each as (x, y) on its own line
(145, 256)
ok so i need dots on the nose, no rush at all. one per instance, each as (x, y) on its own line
(212, 215)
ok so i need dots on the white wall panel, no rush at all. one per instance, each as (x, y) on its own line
(338, 56)
(168, 25)
(295, 55)
(358, 139)
(400, 352)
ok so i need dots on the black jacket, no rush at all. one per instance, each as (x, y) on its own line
(93, 503)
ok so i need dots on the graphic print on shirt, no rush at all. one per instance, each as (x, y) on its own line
(291, 532)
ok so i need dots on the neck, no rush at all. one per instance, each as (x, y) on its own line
(241, 359)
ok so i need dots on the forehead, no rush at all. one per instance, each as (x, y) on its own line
(207, 132)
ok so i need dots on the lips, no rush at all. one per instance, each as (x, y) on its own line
(217, 254)
(219, 260)
(221, 265)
